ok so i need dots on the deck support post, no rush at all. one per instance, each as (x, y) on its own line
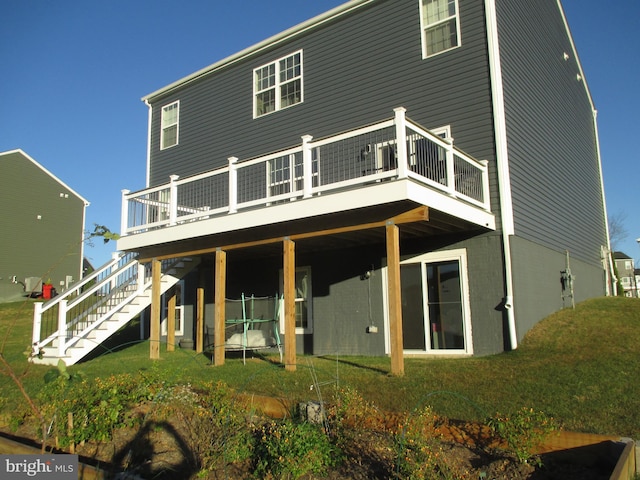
(289, 305)
(200, 316)
(219, 314)
(395, 299)
(154, 336)
(171, 321)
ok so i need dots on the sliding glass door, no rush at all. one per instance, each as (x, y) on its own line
(435, 313)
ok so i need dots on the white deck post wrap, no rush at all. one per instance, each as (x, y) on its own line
(401, 140)
(173, 200)
(451, 175)
(37, 322)
(233, 184)
(141, 279)
(124, 214)
(62, 327)
(485, 184)
(307, 166)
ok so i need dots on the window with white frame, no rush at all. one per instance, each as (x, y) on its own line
(436, 316)
(440, 26)
(278, 84)
(303, 303)
(178, 291)
(169, 125)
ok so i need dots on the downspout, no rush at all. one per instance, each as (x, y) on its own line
(150, 114)
(502, 164)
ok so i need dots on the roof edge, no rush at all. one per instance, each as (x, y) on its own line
(28, 157)
(269, 42)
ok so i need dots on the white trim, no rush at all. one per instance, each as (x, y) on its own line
(25, 155)
(269, 43)
(278, 84)
(375, 194)
(309, 299)
(163, 324)
(163, 127)
(497, 90)
(423, 259)
(149, 131)
(424, 27)
(443, 132)
(502, 163)
(575, 55)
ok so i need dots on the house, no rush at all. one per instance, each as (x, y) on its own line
(42, 228)
(407, 177)
(627, 274)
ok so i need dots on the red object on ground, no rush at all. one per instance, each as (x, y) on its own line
(46, 290)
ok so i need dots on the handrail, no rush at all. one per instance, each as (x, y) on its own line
(82, 299)
(396, 147)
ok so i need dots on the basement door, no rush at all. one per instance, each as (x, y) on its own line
(435, 310)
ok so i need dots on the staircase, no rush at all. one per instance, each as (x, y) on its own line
(71, 325)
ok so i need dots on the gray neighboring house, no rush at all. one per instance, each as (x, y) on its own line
(41, 228)
(627, 274)
(426, 167)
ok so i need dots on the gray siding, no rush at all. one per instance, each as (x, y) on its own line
(553, 162)
(49, 247)
(356, 70)
(537, 282)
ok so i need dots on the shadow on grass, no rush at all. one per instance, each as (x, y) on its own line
(352, 363)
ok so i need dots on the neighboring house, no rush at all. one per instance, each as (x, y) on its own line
(412, 177)
(42, 225)
(627, 274)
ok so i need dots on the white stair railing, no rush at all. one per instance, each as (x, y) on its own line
(86, 302)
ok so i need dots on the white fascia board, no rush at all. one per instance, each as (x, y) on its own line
(450, 205)
(575, 54)
(378, 194)
(25, 155)
(268, 43)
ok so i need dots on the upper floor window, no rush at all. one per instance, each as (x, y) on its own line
(169, 125)
(440, 26)
(278, 84)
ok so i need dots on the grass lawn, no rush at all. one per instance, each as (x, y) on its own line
(580, 366)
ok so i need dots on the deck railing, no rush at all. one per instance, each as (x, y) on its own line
(395, 148)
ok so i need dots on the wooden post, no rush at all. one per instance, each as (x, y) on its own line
(171, 321)
(200, 319)
(395, 300)
(289, 305)
(219, 315)
(72, 445)
(154, 326)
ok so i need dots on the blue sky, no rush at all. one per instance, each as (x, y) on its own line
(73, 73)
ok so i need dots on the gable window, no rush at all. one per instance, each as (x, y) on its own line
(169, 125)
(440, 26)
(278, 84)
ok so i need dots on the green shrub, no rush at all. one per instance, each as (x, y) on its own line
(98, 406)
(522, 431)
(418, 448)
(286, 449)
